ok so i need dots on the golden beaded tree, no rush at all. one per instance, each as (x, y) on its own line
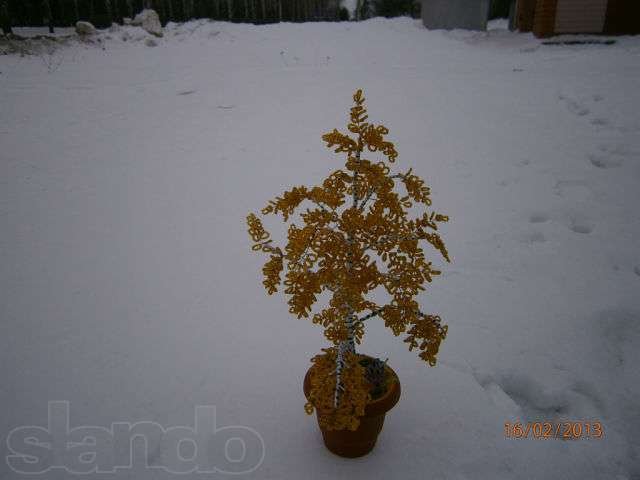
(332, 251)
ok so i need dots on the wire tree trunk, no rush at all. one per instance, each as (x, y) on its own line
(348, 345)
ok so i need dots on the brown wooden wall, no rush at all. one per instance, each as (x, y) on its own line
(580, 16)
(544, 19)
(524, 15)
(623, 17)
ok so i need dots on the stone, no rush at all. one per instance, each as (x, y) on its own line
(150, 21)
(85, 28)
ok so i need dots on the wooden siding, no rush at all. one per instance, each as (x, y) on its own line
(580, 16)
(524, 15)
(544, 18)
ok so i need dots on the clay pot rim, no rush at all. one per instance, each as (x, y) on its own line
(380, 405)
(387, 401)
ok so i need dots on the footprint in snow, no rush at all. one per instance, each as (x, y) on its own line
(508, 181)
(574, 106)
(581, 108)
(618, 332)
(577, 109)
(533, 237)
(609, 156)
(580, 227)
(636, 270)
(538, 217)
(600, 122)
(604, 162)
(577, 222)
(576, 191)
(535, 401)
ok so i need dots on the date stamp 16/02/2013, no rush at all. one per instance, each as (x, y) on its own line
(568, 430)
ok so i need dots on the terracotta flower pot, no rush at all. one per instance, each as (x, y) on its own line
(348, 443)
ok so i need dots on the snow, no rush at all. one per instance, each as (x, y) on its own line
(35, 31)
(129, 288)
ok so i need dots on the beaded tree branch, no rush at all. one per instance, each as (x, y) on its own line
(332, 251)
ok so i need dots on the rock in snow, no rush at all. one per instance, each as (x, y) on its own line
(150, 21)
(85, 28)
(150, 42)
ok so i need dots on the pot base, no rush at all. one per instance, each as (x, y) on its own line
(359, 442)
(352, 444)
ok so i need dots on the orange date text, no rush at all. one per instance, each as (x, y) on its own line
(568, 430)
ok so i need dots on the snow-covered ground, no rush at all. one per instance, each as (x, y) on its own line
(129, 288)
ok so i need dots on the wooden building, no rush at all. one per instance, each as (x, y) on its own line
(551, 17)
